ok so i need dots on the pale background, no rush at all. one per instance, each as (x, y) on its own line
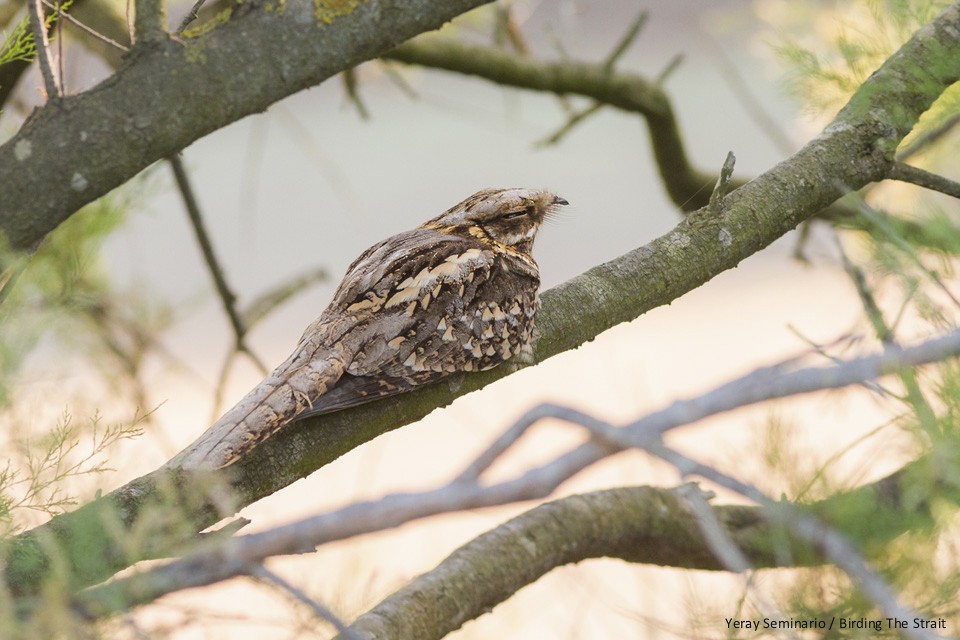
(310, 184)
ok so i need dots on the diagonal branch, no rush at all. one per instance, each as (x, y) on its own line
(232, 557)
(854, 150)
(38, 24)
(618, 89)
(907, 173)
(227, 297)
(163, 99)
(687, 186)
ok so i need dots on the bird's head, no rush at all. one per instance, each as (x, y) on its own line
(512, 217)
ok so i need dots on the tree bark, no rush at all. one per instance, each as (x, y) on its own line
(170, 93)
(855, 150)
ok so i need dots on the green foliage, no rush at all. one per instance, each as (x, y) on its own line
(38, 471)
(19, 44)
(903, 272)
(62, 299)
(830, 50)
(63, 295)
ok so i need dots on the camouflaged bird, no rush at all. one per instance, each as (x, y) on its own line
(458, 293)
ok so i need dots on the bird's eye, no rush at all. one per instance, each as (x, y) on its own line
(517, 214)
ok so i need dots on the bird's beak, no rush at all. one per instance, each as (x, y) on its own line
(559, 200)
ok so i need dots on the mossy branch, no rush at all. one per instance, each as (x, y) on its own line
(853, 151)
(171, 93)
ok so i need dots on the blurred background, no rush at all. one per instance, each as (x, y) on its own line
(313, 182)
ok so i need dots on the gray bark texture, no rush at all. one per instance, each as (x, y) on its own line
(169, 93)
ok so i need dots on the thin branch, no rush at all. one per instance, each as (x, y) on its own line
(884, 227)
(38, 24)
(192, 15)
(266, 302)
(88, 30)
(718, 541)
(234, 556)
(628, 38)
(628, 92)
(722, 188)
(573, 120)
(832, 544)
(319, 609)
(918, 402)
(744, 94)
(352, 90)
(58, 25)
(928, 138)
(576, 117)
(670, 67)
(227, 297)
(150, 18)
(907, 173)
(723, 546)
(779, 381)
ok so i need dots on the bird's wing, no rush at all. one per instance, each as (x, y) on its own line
(448, 306)
(413, 309)
(307, 374)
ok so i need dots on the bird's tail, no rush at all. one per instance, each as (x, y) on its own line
(290, 389)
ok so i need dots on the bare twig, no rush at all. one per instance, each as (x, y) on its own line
(38, 24)
(670, 67)
(576, 117)
(319, 609)
(724, 548)
(906, 173)
(89, 31)
(234, 556)
(744, 94)
(928, 138)
(831, 543)
(227, 298)
(722, 188)
(352, 90)
(190, 17)
(628, 38)
(266, 302)
(884, 333)
(572, 121)
(779, 381)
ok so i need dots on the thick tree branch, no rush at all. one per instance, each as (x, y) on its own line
(625, 91)
(687, 186)
(235, 556)
(637, 524)
(853, 151)
(170, 94)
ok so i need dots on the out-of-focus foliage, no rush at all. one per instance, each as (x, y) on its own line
(62, 301)
(908, 291)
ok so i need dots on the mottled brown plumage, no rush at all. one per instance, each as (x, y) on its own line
(458, 293)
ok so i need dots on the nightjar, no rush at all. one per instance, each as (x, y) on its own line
(458, 293)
